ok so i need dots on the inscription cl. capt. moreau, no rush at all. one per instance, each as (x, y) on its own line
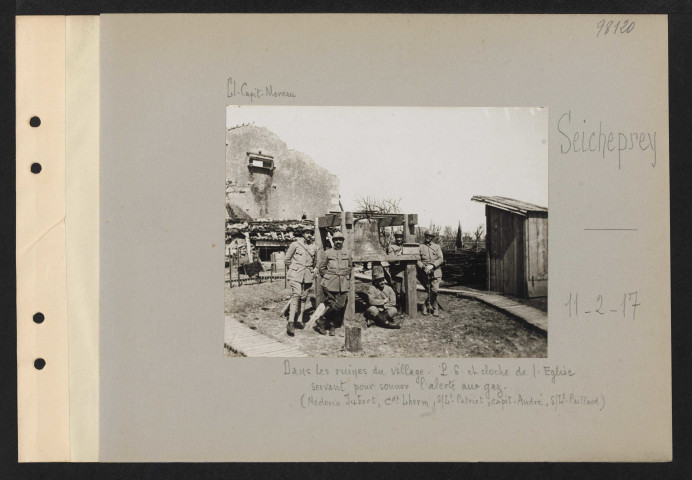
(243, 89)
(580, 136)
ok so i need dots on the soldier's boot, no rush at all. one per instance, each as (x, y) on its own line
(369, 322)
(386, 321)
(424, 310)
(298, 322)
(391, 322)
(290, 330)
(433, 304)
(320, 326)
(332, 328)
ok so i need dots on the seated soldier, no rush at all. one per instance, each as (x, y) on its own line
(382, 301)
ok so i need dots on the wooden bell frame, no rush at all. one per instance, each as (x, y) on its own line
(345, 221)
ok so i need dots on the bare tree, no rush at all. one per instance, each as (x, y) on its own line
(478, 234)
(433, 227)
(436, 229)
(378, 205)
(447, 238)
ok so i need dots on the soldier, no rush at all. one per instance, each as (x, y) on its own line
(397, 269)
(382, 300)
(336, 268)
(429, 273)
(300, 260)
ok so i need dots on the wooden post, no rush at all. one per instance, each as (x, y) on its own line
(410, 273)
(350, 313)
(249, 247)
(352, 342)
(319, 293)
(230, 271)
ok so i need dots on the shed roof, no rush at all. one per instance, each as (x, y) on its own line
(509, 204)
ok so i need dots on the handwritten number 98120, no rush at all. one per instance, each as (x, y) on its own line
(613, 28)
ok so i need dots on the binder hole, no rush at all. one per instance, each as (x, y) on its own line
(35, 168)
(34, 121)
(38, 317)
(39, 363)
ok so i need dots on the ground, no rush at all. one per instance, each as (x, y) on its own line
(468, 328)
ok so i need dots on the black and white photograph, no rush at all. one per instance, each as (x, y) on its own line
(386, 232)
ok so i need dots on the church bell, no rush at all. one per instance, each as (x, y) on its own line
(366, 237)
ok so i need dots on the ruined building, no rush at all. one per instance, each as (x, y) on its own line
(266, 181)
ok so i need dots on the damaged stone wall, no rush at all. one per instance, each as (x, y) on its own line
(297, 186)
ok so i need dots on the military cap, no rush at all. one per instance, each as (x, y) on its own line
(429, 233)
(337, 235)
(378, 275)
(398, 234)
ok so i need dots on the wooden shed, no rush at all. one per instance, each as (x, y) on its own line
(517, 245)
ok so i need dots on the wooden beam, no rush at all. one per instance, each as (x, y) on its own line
(329, 220)
(383, 257)
(410, 294)
(387, 221)
(349, 241)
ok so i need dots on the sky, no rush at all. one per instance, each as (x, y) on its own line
(432, 158)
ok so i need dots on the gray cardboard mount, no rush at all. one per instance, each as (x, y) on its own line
(167, 393)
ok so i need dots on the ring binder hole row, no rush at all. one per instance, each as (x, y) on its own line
(38, 317)
(39, 363)
(34, 121)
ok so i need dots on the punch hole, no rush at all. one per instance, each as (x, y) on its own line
(39, 363)
(38, 317)
(36, 168)
(34, 121)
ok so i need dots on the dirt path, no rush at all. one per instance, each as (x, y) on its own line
(468, 329)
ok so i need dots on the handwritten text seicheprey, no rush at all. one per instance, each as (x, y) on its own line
(244, 89)
(579, 136)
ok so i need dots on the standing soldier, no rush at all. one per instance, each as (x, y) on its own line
(397, 269)
(300, 259)
(429, 272)
(336, 268)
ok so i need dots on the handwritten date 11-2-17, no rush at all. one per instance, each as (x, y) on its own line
(613, 28)
(595, 305)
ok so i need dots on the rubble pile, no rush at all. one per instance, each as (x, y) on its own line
(277, 230)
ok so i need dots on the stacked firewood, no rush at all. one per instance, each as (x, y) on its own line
(465, 266)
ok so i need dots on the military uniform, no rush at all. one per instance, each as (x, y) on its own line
(336, 268)
(381, 300)
(396, 272)
(430, 255)
(300, 259)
